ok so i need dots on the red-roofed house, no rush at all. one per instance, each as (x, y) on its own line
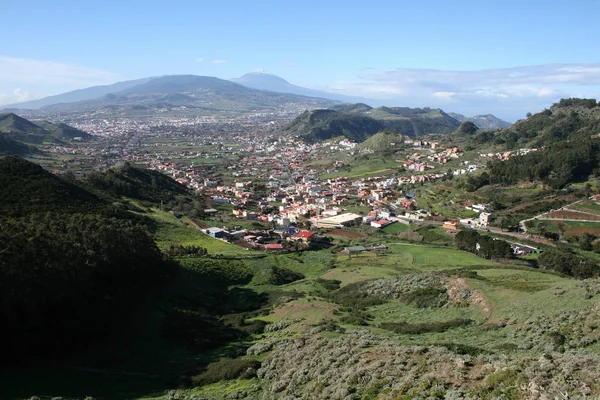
(304, 235)
(450, 225)
(381, 223)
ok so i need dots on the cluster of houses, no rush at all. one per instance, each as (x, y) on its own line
(262, 240)
(506, 155)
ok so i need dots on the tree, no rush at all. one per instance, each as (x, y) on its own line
(585, 241)
(505, 222)
(467, 128)
(541, 227)
(565, 262)
(561, 229)
(467, 240)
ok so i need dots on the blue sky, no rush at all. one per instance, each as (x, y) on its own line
(501, 57)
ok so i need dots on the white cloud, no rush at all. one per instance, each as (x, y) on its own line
(21, 95)
(481, 91)
(199, 59)
(219, 61)
(444, 95)
(40, 78)
(27, 70)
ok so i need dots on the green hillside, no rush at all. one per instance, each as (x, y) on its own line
(9, 146)
(63, 131)
(570, 119)
(359, 121)
(352, 108)
(409, 121)
(71, 265)
(26, 187)
(385, 141)
(37, 132)
(137, 183)
(19, 127)
(319, 125)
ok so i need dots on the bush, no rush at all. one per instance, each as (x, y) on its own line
(463, 349)
(425, 297)
(329, 284)
(227, 369)
(352, 296)
(354, 319)
(239, 322)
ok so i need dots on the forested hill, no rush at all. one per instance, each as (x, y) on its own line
(137, 183)
(318, 125)
(569, 119)
(566, 137)
(71, 264)
(27, 188)
(359, 121)
(38, 132)
(9, 146)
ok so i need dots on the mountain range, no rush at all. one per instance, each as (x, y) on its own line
(263, 81)
(486, 122)
(76, 95)
(202, 95)
(184, 95)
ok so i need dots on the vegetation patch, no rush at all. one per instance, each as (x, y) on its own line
(425, 327)
(225, 370)
(272, 275)
(425, 297)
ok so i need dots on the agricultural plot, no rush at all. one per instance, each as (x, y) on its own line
(568, 214)
(345, 234)
(587, 206)
(571, 228)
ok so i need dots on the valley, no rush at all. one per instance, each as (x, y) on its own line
(301, 254)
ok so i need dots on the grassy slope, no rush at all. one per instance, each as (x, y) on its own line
(128, 370)
(171, 230)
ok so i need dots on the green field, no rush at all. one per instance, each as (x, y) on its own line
(395, 228)
(170, 230)
(437, 256)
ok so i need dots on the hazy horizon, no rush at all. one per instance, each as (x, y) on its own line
(505, 58)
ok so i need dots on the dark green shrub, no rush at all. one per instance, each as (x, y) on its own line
(425, 297)
(353, 320)
(329, 284)
(463, 349)
(227, 369)
(353, 297)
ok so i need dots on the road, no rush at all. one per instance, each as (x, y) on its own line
(499, 231)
